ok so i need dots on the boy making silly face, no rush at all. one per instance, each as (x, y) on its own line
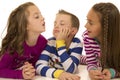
(60, 59)
(63, 28)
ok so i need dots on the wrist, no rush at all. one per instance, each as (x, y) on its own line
(57, 73)
(112, 72)
(60, 43)
(117, 75)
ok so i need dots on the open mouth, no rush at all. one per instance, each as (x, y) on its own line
(43, 24)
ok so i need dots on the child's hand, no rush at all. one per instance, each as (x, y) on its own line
(95, 75)
(63, 34)
(68, 76)
(28, 71)
(106, 74)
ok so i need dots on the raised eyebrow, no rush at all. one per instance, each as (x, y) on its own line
(38, 13)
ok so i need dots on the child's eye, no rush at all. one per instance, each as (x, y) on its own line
(90, 23)
(62, 24)
(37, 16)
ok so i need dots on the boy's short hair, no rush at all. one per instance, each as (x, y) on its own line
(74, 19)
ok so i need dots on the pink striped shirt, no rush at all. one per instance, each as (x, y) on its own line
(92, 49)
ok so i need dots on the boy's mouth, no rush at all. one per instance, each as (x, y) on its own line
(56, 31)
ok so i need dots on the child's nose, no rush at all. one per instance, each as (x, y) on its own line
(86, 26)
(56, 25)
(42, 18)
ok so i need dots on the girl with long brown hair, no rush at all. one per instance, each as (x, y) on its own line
(102, 41)
(23, 43)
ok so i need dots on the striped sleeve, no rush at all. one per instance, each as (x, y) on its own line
(70, 60)
(91, 49)
(42, 65)
(83, 60)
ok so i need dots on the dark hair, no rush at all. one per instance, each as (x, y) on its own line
(16, 30)
(110, 45)
(74, 19)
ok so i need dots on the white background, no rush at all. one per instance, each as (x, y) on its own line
(49, 8)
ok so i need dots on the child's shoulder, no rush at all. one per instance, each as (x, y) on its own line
(76, 39)
(85, 34)
(86, 37)
(51, 41)
(51, 38)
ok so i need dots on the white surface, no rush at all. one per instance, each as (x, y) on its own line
(82, 73)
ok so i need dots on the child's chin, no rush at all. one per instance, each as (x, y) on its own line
(90, 36)
(42, 31)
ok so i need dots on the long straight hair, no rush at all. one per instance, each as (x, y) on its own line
(110, 45)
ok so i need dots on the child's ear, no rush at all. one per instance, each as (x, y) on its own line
(74, 31)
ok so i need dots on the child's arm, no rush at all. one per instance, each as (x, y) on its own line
(42, 66)
(5, 68)
(83, 60)
(70, 60)
(90, 53)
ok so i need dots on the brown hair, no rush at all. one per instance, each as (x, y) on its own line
(110, 45)
(74, 19)
(16, 30)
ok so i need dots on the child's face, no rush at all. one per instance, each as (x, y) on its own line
(36, 22)
(61, 21)
(93, 24)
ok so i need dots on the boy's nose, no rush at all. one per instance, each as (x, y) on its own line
(56, 25)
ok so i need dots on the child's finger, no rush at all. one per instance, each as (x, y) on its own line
(29, 72)
(98, 77)
(26, 62)
(28, 68)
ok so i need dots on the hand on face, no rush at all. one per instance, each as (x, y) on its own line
(64, 34)
(68, 76)
(28, 71)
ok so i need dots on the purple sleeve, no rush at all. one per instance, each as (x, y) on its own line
(6, 70)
